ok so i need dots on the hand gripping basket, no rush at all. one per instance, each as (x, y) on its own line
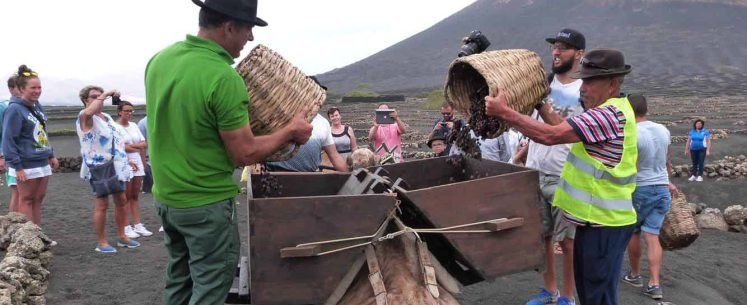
(519, 72)
(278, 91)
(679, 229)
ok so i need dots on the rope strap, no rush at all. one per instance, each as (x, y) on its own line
(314, 248)
(375, 277)
(429, 272)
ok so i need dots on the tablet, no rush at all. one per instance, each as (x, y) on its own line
(384, 116)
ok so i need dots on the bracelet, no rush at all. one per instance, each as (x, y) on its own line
(541, 104)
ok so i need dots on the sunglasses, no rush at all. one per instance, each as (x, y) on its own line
(561, 48)
(32, 73)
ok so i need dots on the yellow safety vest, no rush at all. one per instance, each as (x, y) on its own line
(590, 191)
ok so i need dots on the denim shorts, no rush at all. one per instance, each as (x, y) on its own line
(651, 203)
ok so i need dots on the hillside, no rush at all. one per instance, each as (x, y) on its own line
(676, 47)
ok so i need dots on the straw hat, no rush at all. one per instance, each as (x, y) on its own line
(278, 91)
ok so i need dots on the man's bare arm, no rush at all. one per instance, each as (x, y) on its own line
(247, 149)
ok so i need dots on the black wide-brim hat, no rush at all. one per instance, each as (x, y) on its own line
(436, 135)
(602, 63)
(242, 10)
(431, 140)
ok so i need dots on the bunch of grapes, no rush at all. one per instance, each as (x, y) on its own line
(462, 138)
(268, 184)
(483, 125)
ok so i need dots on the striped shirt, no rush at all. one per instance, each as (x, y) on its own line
(602, 131)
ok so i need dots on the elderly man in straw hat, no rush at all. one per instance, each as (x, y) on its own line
(198, 127)
(598, 178)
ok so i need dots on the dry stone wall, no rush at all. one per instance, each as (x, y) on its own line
(24, 271)
(727, 168)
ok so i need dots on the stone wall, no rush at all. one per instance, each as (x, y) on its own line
(373, 99)
(24, 271)
(727, 168)
(69, 164)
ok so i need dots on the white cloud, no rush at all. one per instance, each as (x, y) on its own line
(104, 41)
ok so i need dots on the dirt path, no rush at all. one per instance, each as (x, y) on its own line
(712, 271)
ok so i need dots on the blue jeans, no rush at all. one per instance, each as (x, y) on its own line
(651, 203)
(597, 262)
(698, 157)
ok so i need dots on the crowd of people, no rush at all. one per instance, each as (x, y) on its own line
(603, 166)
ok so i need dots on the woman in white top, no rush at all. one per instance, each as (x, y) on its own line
(101, 142)
(135, 147)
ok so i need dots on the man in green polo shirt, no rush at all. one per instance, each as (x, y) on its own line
(198, 132)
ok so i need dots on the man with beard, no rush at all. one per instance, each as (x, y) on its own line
(567, 49)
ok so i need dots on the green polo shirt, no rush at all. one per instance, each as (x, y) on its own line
(192, 92)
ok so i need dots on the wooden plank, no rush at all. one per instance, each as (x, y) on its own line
(501, 191)
(346, 281)
(305, 251)
(277, 223)
(243, 277)
(504, 224)
(303, 184)
(507, 196)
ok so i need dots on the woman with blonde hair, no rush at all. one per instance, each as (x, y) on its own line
(28, 153)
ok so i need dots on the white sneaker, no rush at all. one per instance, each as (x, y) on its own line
(140, 229)
(160, 229)
(129, 232)
(699, 179)
(692, 178)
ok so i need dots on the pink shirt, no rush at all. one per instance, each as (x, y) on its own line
(389, 134)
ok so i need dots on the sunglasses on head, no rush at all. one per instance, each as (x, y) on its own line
(32, 73)
(586, 63)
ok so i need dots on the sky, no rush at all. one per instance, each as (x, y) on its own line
(78, 42)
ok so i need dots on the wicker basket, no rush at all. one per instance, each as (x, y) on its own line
(519, 72)
(278, 92)
(679, 229)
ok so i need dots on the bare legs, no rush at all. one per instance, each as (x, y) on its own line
(14, 199)
(569, 281)
(133, 200)
(101, 204)
(653, 252)
(30, 196)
